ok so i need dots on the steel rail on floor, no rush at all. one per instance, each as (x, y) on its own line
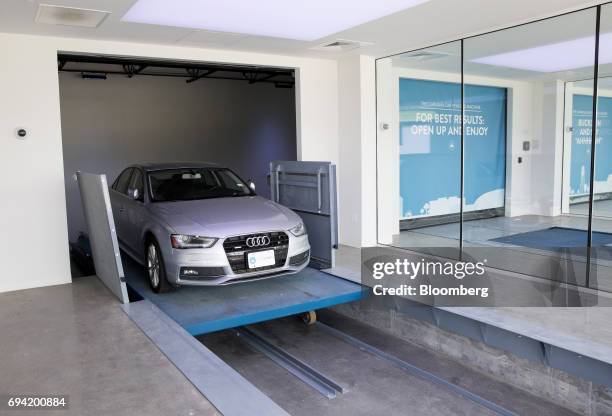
(416, 371)
(323, 384)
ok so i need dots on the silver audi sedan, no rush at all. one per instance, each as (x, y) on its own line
(200, 224)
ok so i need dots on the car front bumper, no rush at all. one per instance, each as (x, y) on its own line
(211, 267)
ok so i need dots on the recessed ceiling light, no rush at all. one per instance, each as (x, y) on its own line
(69, 16)
(301, 20)
(555, 57)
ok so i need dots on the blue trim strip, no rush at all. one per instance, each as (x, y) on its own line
(247, 319)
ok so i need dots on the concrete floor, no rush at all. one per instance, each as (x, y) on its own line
(75, 340)
(375, 386)
(348, 263)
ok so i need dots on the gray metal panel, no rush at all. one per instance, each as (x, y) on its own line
(333, 207)
(319, 230)
(102, 233)
(304, 186)
(524, 347)
(415, 310)
(458, 324)
(542, 353)
(227, 390)
(585, 367)
(309, 188)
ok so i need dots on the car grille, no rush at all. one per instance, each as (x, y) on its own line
(237, 250)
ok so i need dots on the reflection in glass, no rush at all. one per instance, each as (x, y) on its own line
(419, 149)
(485, 146)
(485, 132)
(520, 224)
(577, 184)
(600, 275)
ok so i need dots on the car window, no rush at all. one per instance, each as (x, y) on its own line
(230, 180)
(195, 183)
(137, 183)
(122, 182)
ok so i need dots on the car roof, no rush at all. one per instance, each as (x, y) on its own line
(151, 166)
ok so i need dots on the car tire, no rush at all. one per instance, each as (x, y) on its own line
(156, 270)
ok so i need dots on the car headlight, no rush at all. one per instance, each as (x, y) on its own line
(191, 241)
(298, 230)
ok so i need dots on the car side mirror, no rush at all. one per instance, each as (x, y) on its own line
(251, 185)
(134, 194)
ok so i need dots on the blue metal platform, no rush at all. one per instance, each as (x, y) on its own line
(201, 309)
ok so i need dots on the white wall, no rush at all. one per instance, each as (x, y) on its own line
(34, 244)
(34, 250)
(547, 150)
(387, 154)
(357, 134)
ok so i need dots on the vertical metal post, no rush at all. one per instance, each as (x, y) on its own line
(461, 187)
(593, 146)
(319, 190)
(277, 182)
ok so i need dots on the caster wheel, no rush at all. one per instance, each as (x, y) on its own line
(309, 318)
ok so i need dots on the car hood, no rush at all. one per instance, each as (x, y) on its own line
(223, 217)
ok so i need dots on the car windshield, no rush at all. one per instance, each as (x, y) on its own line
(195, 183)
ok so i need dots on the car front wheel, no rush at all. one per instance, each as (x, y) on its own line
(156, 269)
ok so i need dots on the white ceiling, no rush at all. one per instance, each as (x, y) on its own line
(426, 24)
(541, 34)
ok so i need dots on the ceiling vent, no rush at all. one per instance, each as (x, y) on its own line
(424, 55)
(341, 45)
(69, 16)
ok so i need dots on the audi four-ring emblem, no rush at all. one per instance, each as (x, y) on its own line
(260, 241)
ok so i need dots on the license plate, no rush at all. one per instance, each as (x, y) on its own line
(261, 259)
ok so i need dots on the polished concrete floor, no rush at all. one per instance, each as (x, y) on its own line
(75, 340)
(375, 387)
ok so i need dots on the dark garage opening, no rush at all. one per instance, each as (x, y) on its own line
(120, 111)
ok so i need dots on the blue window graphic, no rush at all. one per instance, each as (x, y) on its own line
(580, 161)
(430, 148)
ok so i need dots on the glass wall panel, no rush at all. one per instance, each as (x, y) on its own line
(600, 275)
(419, 149)
(526, 111)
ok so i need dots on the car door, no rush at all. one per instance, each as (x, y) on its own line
(135, 211)
(118, 197)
